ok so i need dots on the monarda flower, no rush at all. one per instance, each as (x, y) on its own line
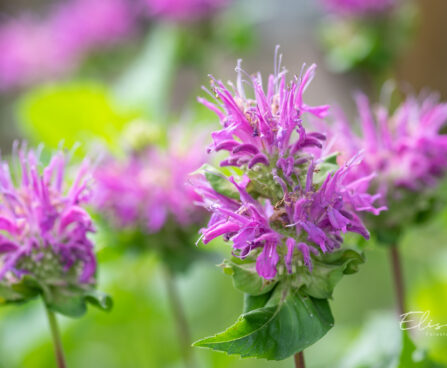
(284, 210)
(146, 193)
(34, 49)
(44, 243)
(286, 205)
(406, 149)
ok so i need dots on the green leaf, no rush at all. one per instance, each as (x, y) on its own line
(73, 303)
(73, 113)
(66, 300)
(27, 288)
(254, 302)
(245, 277)
(327, 271)
(275, 331)
(67, 303)
(9, 295)
(99, 299)
(327, 166)
(218, 181)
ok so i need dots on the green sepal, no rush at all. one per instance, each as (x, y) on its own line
(324, 168)
(70, 301)
(218, 181)
(73, 303)
(328, 269)
(25, 289)
(8, 295)
(286, 323)
(245, 277)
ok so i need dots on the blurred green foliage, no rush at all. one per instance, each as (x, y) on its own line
(72, 113)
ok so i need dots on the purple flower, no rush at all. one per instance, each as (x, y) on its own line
(288, 206)
(358, 7)
(260, 128)
(33, 49)
(147, 188)
(44, 225)
(184, 10)
(307, 220)
(405, 149)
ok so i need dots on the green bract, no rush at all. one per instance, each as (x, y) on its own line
(70, 300)
(287, 314)
(274, 326)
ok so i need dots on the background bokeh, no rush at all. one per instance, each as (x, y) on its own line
(153, 72)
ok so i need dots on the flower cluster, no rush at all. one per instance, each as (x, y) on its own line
(182, 10)
(358, 7)
(288, 205)
(406, 148)
(32, 49)
(44, 229)
(148, 188)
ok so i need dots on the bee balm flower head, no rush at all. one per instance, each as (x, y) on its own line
(147, 188)
(44, 227)
(406, 149)
(287, 205)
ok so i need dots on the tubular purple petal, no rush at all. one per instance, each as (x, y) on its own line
(267, 261)
(259, 159)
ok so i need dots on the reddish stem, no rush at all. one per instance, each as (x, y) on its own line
(398, 278)
(299, 360)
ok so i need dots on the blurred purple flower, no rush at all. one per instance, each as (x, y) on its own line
(148, 188)
(33, 49)
(44, 227)
(406, 149)
(184, 10)
(84, 24)
(358, 7)
(292, 211)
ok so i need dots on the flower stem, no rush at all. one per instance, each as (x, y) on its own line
(180, 320)
(299, 360)
(57, 342)
(398, 278)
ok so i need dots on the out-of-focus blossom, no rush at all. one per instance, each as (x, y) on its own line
(281, 212)
(405, 149)
(33, 49)
(83, 24)
(43, 226)
(358, 7)
(184, 10)
(147, 189)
